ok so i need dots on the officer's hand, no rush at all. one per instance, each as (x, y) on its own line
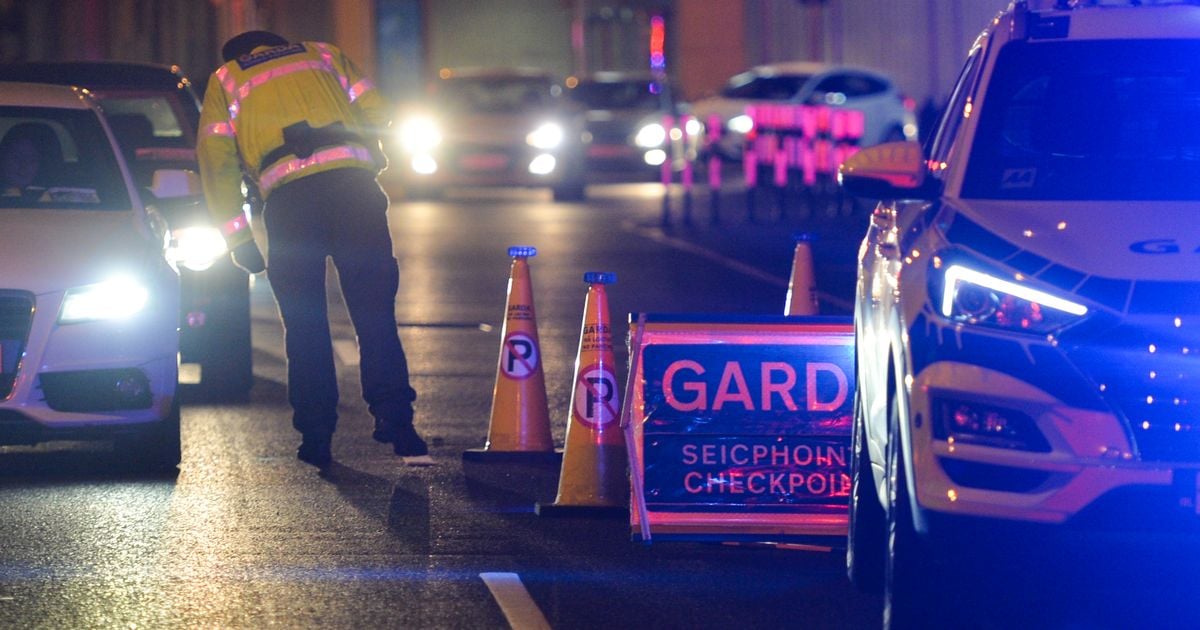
(249, 258)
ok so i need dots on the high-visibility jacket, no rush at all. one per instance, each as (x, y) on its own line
(251, 99)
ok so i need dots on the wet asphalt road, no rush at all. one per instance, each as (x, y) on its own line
(245, 536)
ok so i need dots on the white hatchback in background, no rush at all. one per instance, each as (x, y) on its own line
(1028, 307)
(887, 114)
(89, 305)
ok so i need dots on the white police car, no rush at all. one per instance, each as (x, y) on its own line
(1028, 299)
(89, 305)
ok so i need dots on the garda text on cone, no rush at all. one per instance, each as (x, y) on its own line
(594, 460)
(520, 421)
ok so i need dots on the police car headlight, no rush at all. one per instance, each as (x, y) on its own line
(117, 298)
(546, 136)
(196, 248)
(419, 135)
(652, 135)
(740, 124)
(974, 297)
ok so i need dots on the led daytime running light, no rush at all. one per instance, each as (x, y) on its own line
(957, 273)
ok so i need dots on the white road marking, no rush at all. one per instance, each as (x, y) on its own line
(347, 351)
(516, 604)
(658, 236)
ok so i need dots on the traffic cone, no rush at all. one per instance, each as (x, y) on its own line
(802, 287)
(520, 424)
(593, 479)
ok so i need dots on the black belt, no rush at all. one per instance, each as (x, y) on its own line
(301, 140)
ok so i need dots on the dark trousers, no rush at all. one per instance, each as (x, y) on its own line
(341, 214)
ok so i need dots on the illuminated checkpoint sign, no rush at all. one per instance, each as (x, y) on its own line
(740, 426)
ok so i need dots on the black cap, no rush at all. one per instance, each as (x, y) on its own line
(244, 43)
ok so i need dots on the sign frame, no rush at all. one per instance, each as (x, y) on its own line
(812, 522)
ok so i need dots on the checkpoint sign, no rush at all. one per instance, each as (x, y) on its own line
(596, 404)
(520, 357)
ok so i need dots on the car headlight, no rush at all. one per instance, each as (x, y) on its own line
(420, 134)
(974, 297)
(196, 248)
(546, 136)
(117, 298)
(740, 124)
(693, 127)
(651, 135)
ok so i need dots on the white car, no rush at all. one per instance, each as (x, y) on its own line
(1028, 302)
(89, 305)
(888, 116)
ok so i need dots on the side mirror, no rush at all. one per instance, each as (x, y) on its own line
(895, 170)
(175, 183)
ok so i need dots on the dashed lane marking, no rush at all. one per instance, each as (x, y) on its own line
(516, 604)
(658, 236)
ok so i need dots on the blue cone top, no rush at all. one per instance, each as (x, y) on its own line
(809, 237)
(522, 251)
(600, 277)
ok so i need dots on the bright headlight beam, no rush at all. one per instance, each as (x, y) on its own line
(420, 134)
(546, 136)
(197, 248)
(957, 273)
(117, 298)
(651, 135)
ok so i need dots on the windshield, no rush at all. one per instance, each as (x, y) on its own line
(618, 95)
(752, 87)
(1090, 120)
(58, 158)
(494, 95)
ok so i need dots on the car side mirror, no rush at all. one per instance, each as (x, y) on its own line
(175, 183)
(895, 170)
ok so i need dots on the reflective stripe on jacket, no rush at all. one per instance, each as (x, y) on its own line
(251, 99)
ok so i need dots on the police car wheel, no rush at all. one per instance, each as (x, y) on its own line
(867, 535)
(158, 447)
(909, 579)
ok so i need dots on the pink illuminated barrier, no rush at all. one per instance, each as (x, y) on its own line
(738, 427)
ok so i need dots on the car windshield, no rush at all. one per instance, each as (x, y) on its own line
(1090, 120)
(497, 95)
(754, 87)
(618, 94)
(58, 158)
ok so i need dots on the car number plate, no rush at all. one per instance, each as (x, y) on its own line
(484, 162)
(609, 150)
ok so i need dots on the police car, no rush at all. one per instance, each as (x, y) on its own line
(1027, 314)
(89, 303)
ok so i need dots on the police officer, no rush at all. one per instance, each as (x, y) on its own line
(301, 122)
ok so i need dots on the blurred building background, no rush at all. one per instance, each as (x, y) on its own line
(921, 43)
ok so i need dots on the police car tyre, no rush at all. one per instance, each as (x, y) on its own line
(867, 532)
(910, 587)
(158, 447)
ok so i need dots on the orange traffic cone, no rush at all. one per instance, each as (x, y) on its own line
(593, 478)
(520, 424)
(802, 287)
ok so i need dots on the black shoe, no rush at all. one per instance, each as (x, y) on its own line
(407, 443)
(385, 431)
(316, 451)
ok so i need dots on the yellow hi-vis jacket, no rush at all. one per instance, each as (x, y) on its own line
(248, 103)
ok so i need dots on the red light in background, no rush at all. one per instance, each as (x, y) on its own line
(658, 58)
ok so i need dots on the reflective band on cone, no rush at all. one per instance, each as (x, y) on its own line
(594, 479)
(802, 287)
(520, 424)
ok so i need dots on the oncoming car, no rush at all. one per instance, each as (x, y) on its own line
(154, 114)
(491, 127)
(1027, 314)
(633, 124)
(89, 303)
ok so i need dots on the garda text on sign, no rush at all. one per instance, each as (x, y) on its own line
(743, 425)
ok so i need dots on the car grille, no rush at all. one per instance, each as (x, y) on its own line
(1150, 373)
(609, 132)
(16, 314)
